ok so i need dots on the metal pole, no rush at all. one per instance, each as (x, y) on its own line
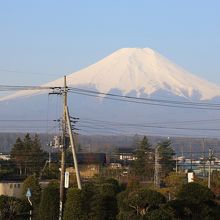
(31, 206)
(203, 148)
(73, 149)
(176, 165)
(156, 169)
(191, 156)
(63, 151)
(209, 177)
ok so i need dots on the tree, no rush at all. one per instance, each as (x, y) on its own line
(104, 203)
(195, 193)
(139, 203)
(49, 204)
(215, 183)
(32, 183)
(166, 161)
(174, 181)
(143, 165)
(12, 208)
(78, 202)
(195, 201)
(36, 156)
(74, 205)
(17, 155)
(103, 207)
(28, 155)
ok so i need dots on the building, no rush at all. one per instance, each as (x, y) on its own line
(4, 156)
(90, 164)
(11, 188)
(126, 154)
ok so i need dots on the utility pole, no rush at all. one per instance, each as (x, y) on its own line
(73, 149)
(191, 156)
(63, 150)
(49, 160)
(203, 148)
(156, 168)
(176, 164)
(210, 161)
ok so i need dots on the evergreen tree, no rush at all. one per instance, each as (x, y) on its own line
(27, 152)
(17, 155)
(49, 204)
(143, 166)
(74, 205)
(32, 183)
(166, 161)
(103, 207)
(37, 156)
(28, 155)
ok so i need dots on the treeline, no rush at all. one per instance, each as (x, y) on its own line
(108, 143)
(106, 199)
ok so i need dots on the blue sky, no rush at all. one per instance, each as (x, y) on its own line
(45, 39)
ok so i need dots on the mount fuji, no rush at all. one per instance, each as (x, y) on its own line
(140, 72)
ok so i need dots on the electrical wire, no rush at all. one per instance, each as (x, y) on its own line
(146, 99)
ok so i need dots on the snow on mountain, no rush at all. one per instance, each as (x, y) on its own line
(143, 71)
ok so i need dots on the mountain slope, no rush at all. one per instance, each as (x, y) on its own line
(143, 71)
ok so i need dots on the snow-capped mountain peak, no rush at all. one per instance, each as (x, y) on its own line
(140, 70)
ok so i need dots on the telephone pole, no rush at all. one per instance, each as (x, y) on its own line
(203, 148)
(73, 147)
(210, 161)
(63, 150)
(191, 156)
(156, 169)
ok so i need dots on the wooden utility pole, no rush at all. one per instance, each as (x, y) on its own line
(63, 150)
(73, 147)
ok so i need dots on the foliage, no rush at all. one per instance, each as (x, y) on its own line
(78, 202)
(215, 182)
(195, 193)
(49, 204)
(74, 205)
(28, 155)
(143, 165)
(166, 161)
(194, 201)
(17, 154)
(12, 208)
(95, 201)
(32, 183)
(103, 203)
(103, 207)
(160, 214)
(51, 172)
(139, 203)
(174, 181)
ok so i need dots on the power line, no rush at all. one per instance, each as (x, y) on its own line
(126, 98)
(27, 72)
(144, 99)
(129, 99)
(101, 124)
(18, 88)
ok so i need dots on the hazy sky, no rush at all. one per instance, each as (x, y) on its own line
(45, 39)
